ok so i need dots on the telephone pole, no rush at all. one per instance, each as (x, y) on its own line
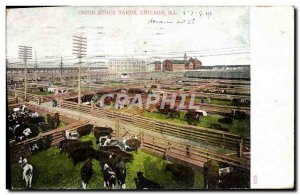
(79, 49)
(25, 53)
(35, 68)
(61, 68)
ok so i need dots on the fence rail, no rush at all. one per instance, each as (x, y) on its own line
(208, 136)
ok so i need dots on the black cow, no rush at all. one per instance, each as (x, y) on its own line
(211, 174)
(170, 112)
(84, 130)
(218, 127)
(144, 183)
(182, 173)
(192, 117)
(64, 145)
(70, 144)
(82, 154)
(86, 173)
(225, 120)
(121, 174)
(41, 89)
(109, 148)
(237, 114)
(40, 144)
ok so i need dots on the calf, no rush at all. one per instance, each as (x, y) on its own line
(27, 171)
(145, 183)
(86, 173)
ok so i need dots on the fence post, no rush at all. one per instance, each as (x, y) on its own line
(117, 127)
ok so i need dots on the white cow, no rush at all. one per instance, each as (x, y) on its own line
(72, 134)
(22, 108)
(27, 171)
(52, 89)
(225, 171)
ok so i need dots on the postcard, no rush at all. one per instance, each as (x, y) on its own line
(149, 98)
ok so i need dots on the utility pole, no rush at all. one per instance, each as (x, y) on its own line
(25, 53)
(35, 68)
(61, 68)
(89, 75)
(79, 49)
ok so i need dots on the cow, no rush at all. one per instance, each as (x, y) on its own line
(211, 175)
(121, 174)
(22, 108)
(21, 132)
(82, 154)
(40, 144)
(69, 144)
(144, 183)
(218, 127)
(27, 171)
(233, 178)
(170, 112)
(56, 120)
(192, 117)
(71, 134)
(84, 130)
(86, 173)
(109, 177)
(182, 173)
(101, 131)
(225, 120)
(129, 145)
(41, 89)
(173, 113)
(52, 89)
(237, 114)
(240, 102)
(122, 155)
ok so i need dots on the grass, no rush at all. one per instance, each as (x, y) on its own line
(53, 170)
(240, 127)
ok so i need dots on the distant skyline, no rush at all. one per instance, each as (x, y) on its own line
(202, 32)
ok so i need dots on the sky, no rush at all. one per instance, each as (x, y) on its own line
(145, 32)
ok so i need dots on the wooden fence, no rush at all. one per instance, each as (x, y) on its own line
(208, 136)
(194, 155)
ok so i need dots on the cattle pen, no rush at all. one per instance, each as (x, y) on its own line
(189, 145)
